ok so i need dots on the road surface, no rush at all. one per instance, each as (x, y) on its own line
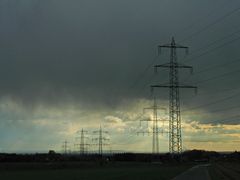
(199, 172)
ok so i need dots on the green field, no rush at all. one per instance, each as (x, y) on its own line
(144, 171)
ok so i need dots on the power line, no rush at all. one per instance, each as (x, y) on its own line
(216, 92)
(211, 67)
(213, 49)
(146, 84)
(213, 102)
(214, 42)
(217, 77)
(220, 19)
(227, 119)
(217, 66)
(225, 109)
(203, 18)
(143, 73)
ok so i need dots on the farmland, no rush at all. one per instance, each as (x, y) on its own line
(91, 171)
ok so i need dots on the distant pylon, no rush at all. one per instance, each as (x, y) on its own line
(83, 146)
(175, 137)
(155, 126)
(101, 139)
(65, 147)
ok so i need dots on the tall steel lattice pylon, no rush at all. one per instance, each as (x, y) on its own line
(83, 146)
(175, 136)
(101, 139)
(155, 144)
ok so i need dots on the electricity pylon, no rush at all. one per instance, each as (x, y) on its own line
(65, 147)
(155, 126)
(83, 146)
(175, 137)
(101, 139)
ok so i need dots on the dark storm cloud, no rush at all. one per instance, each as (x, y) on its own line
(58, 48)
(93, 51)
(69, 64)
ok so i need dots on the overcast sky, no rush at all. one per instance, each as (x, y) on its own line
(68, 64)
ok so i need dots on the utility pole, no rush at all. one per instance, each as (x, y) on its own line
(83, 146)
(175, 137)
(101, 139)
(155, 126)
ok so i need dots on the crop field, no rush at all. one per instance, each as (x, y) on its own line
(90, 171)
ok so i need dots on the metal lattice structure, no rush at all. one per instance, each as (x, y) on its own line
(83, 146)
(175, 136)
(101, 139)
(155, 126)
(65, 147)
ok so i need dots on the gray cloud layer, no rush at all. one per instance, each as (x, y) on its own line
(93, 51)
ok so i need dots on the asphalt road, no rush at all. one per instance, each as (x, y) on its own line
(199, 172)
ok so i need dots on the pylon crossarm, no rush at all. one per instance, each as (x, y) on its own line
(143, 132)
(85, 137)
(172, 46)
(102, 144)
(152, 108)
(169, 86)
(165, 46)
(94, 144)
(163, 132)
(146, 120)
(80, 131)
(180, 46)
(149, 108)
(175, 66)
(162, 65)
(161, 119)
